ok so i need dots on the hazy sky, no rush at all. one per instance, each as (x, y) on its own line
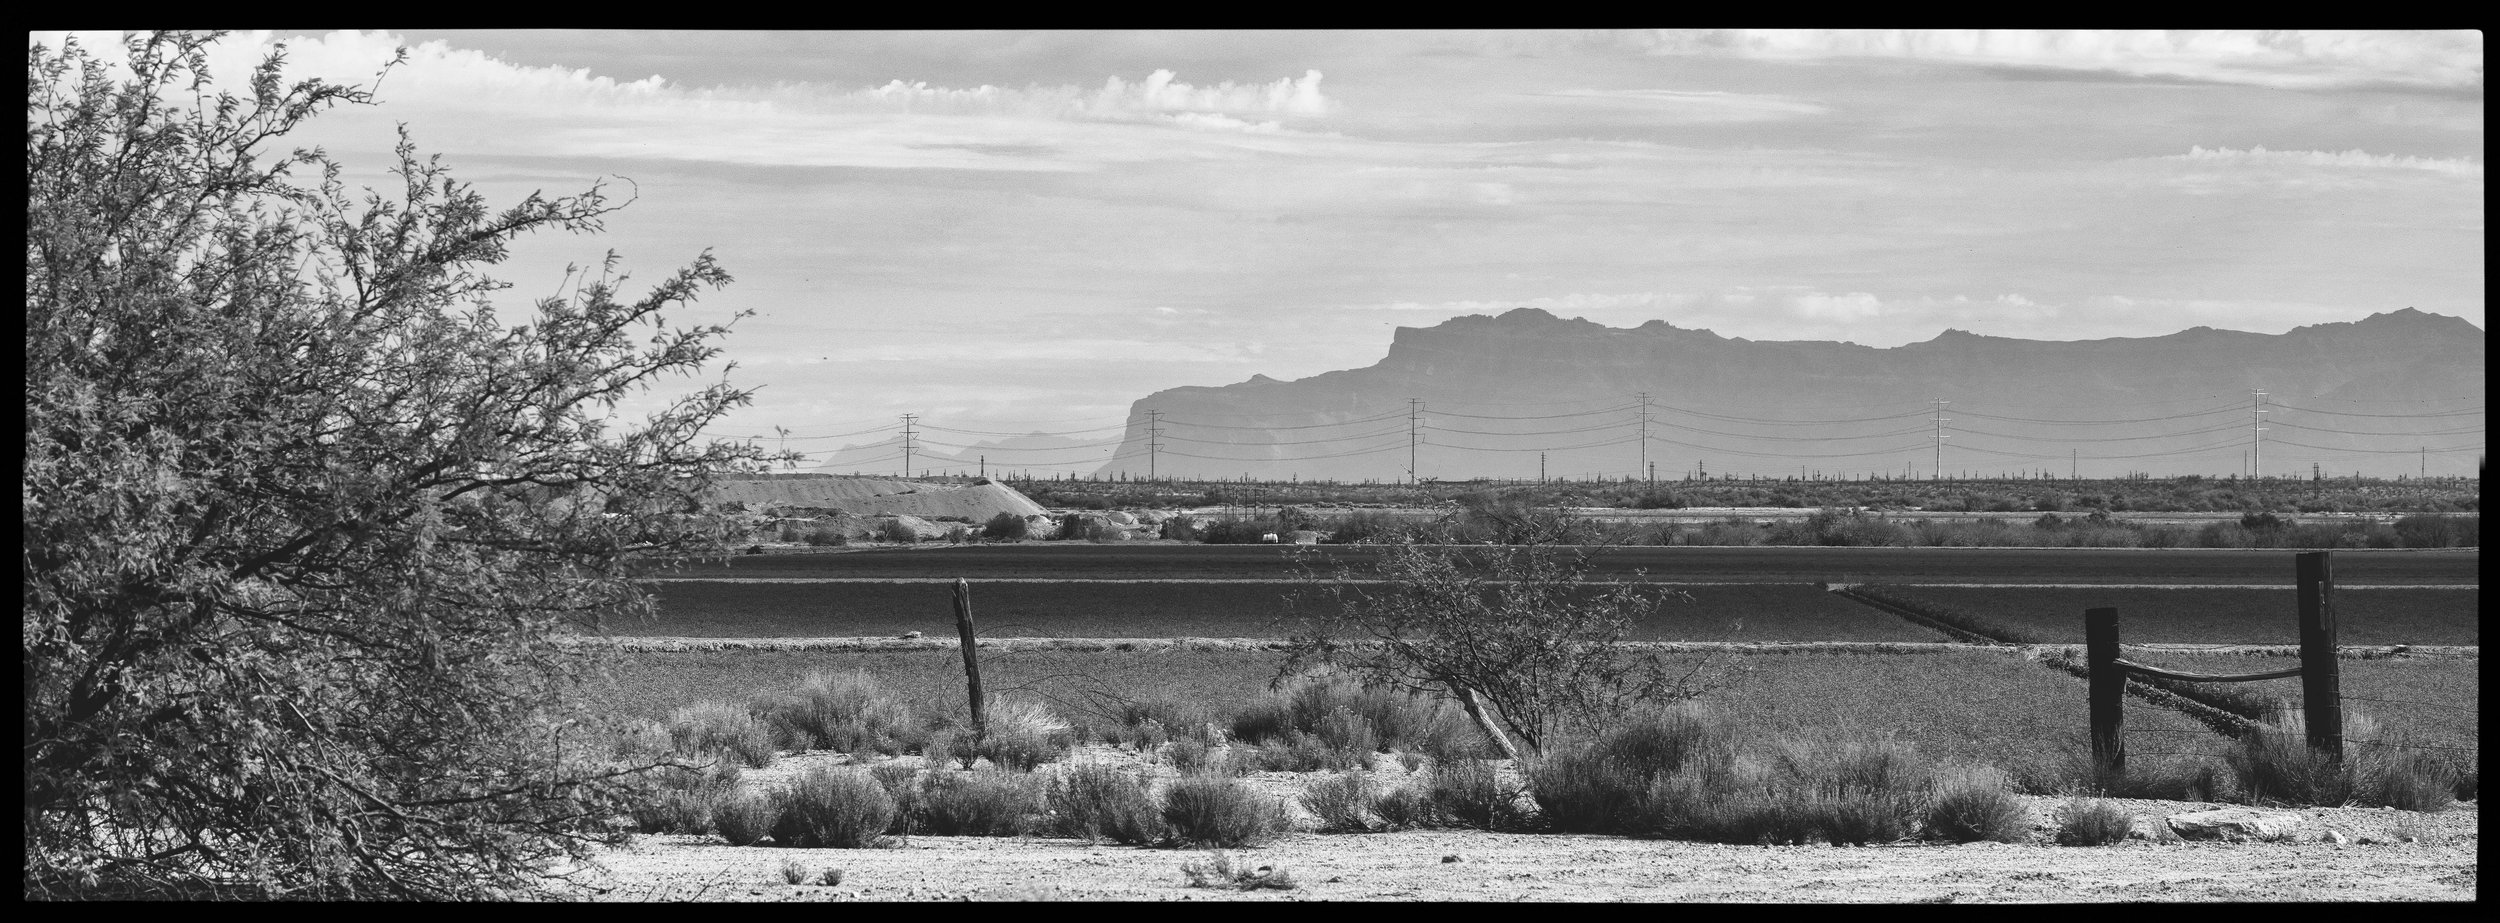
(1018, 231)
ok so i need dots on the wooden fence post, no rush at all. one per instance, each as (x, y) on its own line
(972, 663)
(2109, 688)
(2321, 682)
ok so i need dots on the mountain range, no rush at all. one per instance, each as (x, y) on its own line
(1526, 393)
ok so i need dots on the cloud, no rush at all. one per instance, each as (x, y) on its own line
(2353, 159)
(1160, 92)
(2279, 58)
(1687, 106)
(1563, 305)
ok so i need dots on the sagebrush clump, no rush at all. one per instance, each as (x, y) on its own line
(1217, 811)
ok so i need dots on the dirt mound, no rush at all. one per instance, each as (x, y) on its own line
(976, 501)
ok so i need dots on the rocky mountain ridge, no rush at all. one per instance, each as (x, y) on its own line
(1502, 395)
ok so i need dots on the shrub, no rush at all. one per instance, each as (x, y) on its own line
(1189, 755)
(1863, 790)
(1218, 871)
(1340, 800)
(793, 871)
(2090, 822)
(1402, 807)
(896, 530)
(980, 803)
(1005, 527)
(743, 816)
(833, 809)
(1022, 734)
(1296, 752)
(1469, 793)
(1972, 812)
(830, 877)
(2275, 763)
(1596, 786)
(714, 727)
(1236, 531)
(848, 713)
(1522, 630)
(1179, 529)
(674, 811)
(1210, 810)
(1096, 802)
(1366, 528)
(947, 745)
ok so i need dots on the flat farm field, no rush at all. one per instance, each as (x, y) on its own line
(2432, 702)
(1177, 561)
(1023, 609)
(2054, 615)
(1991, 706)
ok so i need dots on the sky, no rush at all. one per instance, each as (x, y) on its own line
(1028, 231)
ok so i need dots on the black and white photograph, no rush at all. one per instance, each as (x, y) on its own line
(1787, 466)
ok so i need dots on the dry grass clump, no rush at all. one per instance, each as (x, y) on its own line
(743, 816)
(1597, 786)
(846, 713)
(2090, 822)
(988, 802)
(1097, 802)
(1219, 871)
(1402, 807)
(1217, 811)
(833, 809)
(1022, 734)
(1342, 801)
(679, 798)
(720, 727)
(1471, 794)
(2275, 763)
(1977, 806)
(1683, 773)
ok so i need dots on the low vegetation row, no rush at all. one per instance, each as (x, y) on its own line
(1510, 522)
(1377, 759)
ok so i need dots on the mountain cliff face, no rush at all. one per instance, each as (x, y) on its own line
(1491, 394)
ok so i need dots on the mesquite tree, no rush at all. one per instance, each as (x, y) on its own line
(1518, 635)
(307, 521)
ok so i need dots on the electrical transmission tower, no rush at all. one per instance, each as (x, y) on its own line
(1940, 422)
(1154, 445)
(2256, 443)
(1414, 416)
(1653, 477)
(907, 434)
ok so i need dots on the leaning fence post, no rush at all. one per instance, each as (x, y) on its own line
(2321, 682)
(972, 663)
(2109, 689)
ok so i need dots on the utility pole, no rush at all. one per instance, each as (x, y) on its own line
(1414, 415)
(907, 421)
(985, 467)
(2074, 464)
(1540, 468)
(1940, 422)
(2256, 443)
(1154, 435)
(1645, 432)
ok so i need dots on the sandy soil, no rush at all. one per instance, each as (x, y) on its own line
(2387, 855)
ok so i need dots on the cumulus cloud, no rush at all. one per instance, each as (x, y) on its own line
(2283, 58)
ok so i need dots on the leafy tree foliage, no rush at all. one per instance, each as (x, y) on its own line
(1519, 632)
(307, 522)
